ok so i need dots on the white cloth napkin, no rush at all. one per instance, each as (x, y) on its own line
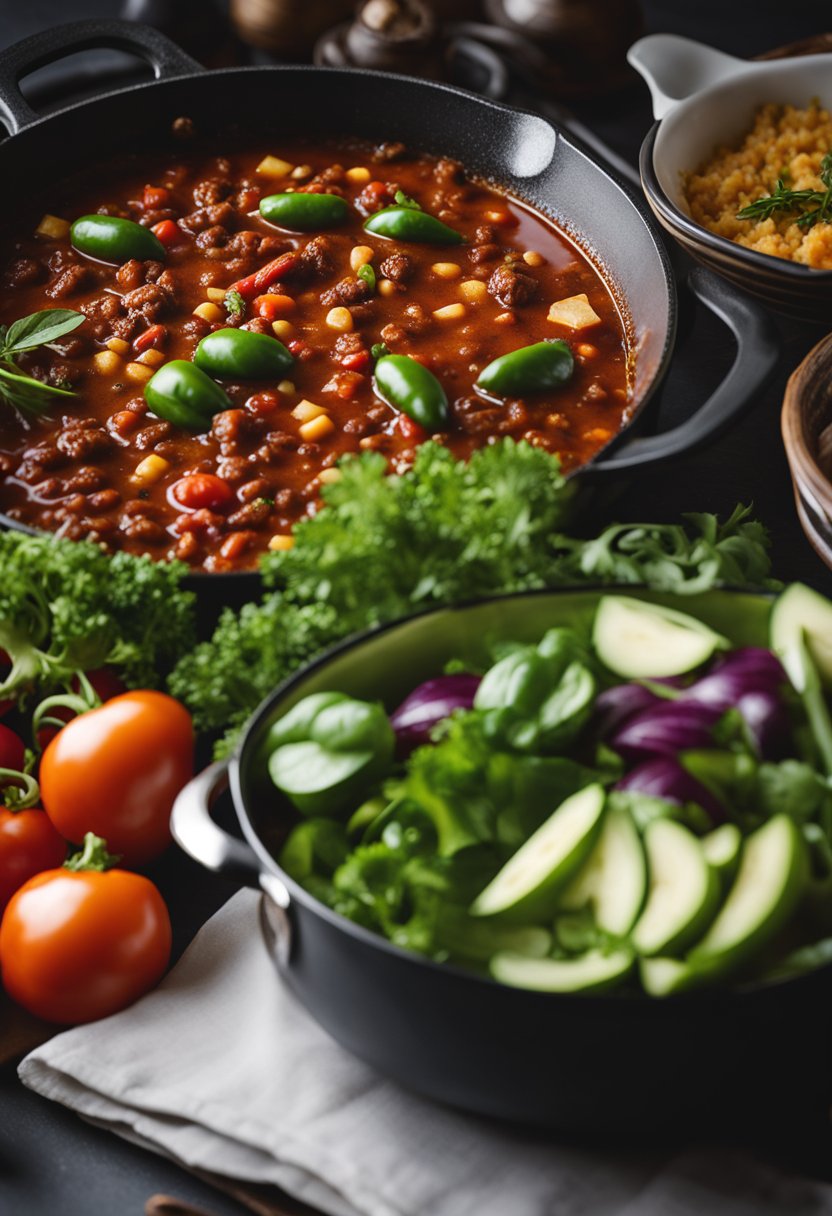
(222, 1070)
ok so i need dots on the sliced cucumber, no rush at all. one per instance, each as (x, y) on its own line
(771, 879)
(802, 612)
(527, 887)
(684, 891)
(638, 640)
(614, 878)
(722, 849)
(587, 973)
(665, 976)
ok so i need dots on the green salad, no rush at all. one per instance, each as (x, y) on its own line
(631, 800)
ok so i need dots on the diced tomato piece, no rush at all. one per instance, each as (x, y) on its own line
(155, 197)
(297, 346)
(278, 268)
(410, 430)
(153, 336)
(273, 306)
(168, 232)
(201, 490)
(348, 385)
(357, 362)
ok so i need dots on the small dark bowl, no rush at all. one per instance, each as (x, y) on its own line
(806, 422)
(619, 1062)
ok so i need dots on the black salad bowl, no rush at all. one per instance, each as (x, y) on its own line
(519, 152)
(743, 1061)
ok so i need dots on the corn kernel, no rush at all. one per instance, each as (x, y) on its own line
(360, 256)
(209, 312)
(287, 387)
(532, 258)
(318, 428)
(505, 318)
(473, 290)
(575, 312)
(386, 287)
(586, 350)
(301, 171)
(447, 270)
(280, 542)
(273, 166)
(216, 294)
(150, 469)
(305, 411)
(107, 362)
(340, 319)
(152, 357)
(451, 312)
(358, 176)
(328, 477)
(53, 227)
(283, 329)
(119, 345)
(138, 372)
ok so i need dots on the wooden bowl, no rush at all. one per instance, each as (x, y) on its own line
(806, 423)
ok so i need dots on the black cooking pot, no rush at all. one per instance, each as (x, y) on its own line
(742, 1060)
(519, 152)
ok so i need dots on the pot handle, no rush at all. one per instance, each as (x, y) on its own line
(196, 833)
(675, 68)
(758, 349)
(164, 57)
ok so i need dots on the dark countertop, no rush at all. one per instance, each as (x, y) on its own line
(51, 1163)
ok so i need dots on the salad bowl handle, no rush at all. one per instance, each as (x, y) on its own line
(675, 68)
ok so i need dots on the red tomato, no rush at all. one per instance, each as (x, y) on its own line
(28, 845)
(76, 946)
(168, 232)
(116, 771)
(199, 490)
(105, 683)
(12, 751)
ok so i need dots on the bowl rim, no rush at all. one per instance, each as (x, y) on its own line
(757, 990)
(749, 259)
(802, 462)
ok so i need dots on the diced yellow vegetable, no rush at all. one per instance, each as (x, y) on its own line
(318, 428)
(473, 290)
(287, 387)
(451, 312)
(280, 542)
(283, 329)
(301, 171)
(53, 228)
(107, 362)
(209, 312)
(273, 166)
(361, 255)
(119, 345)
(328, 477)
(150, 469)
(216, 294)
(575, 312)
(152, 357)
(358, 176)
(340, 319)
(138, 372)
(447, 270)
(305, 411)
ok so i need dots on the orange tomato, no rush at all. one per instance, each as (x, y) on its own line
(116, 771)
(76, 946)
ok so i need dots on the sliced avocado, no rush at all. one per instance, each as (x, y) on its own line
(526, 889)
(683, 891)
(802, 612)
(771, 879)
(638, 640)
(588, 972)
(613, 880)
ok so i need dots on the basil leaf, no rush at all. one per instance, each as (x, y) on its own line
(40, 328)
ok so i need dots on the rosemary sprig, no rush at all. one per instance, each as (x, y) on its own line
(815, 205)
(28, 395)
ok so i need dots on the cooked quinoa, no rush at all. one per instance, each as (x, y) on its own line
(784, 142)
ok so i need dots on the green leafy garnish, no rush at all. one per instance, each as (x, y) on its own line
(26, 393)
(404, 200)
(378, 349)
(385, 547)
(815, 206)
(367, 275)
(235, 305)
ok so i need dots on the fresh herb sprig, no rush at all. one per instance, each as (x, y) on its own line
(32, 397)
(815, 205)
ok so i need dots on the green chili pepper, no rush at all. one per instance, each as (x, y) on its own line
(408, 224)
(185, 396)
(112, 239)
(530, 369)
(301, 212)
(238, 354)
(407, 385)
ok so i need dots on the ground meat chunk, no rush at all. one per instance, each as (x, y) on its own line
(205, 217)
(83, 481)
(130, 275)
(484, 253)
(228, 427)
(101, 311)
(372, 198)
(392, 150)
(513, 284)
(316, 259)
(72, 346)
(327, 181)
(258, 325)
(46, 454)
(251, 515)
(139, 527)
(212, 190)
(23, 271)
(449, 172)
(416, 320)
(486, 234)
(149, 436)
(397, 267)
(215, 237)
(350, 290)
(149, 301)
(347, 344)
(392, 334)
(79, 441)
(67, 282)
(475, 415)
(244, 244)
(272, 247)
